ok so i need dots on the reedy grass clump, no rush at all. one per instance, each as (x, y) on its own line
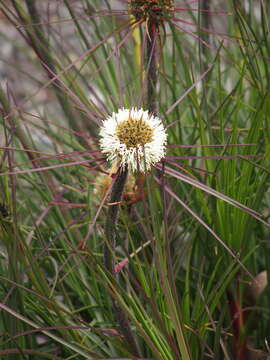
(185, 254)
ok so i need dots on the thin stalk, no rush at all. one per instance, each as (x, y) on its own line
(152, 104)
(110, 233)
(206, 24)
(151, 62)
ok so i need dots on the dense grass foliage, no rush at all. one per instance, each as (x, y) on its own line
(187, 275)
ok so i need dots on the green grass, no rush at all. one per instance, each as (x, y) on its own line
(194, 234)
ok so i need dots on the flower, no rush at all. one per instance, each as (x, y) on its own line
(134, 137)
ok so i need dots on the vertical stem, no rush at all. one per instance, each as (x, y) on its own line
(206, 23)
(238, 325)
(169, 291)
(110, 233)
(151, 62)
(111, 221)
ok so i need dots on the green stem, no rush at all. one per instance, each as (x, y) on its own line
(110, 233)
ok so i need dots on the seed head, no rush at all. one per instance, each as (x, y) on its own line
(153, 10)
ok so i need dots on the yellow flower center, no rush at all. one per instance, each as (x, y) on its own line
(134, 132)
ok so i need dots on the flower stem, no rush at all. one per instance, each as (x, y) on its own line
(111, 221)
(151, 62)
(110, 233)
(206, 24)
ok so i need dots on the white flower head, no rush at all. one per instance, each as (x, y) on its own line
(134, 137)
